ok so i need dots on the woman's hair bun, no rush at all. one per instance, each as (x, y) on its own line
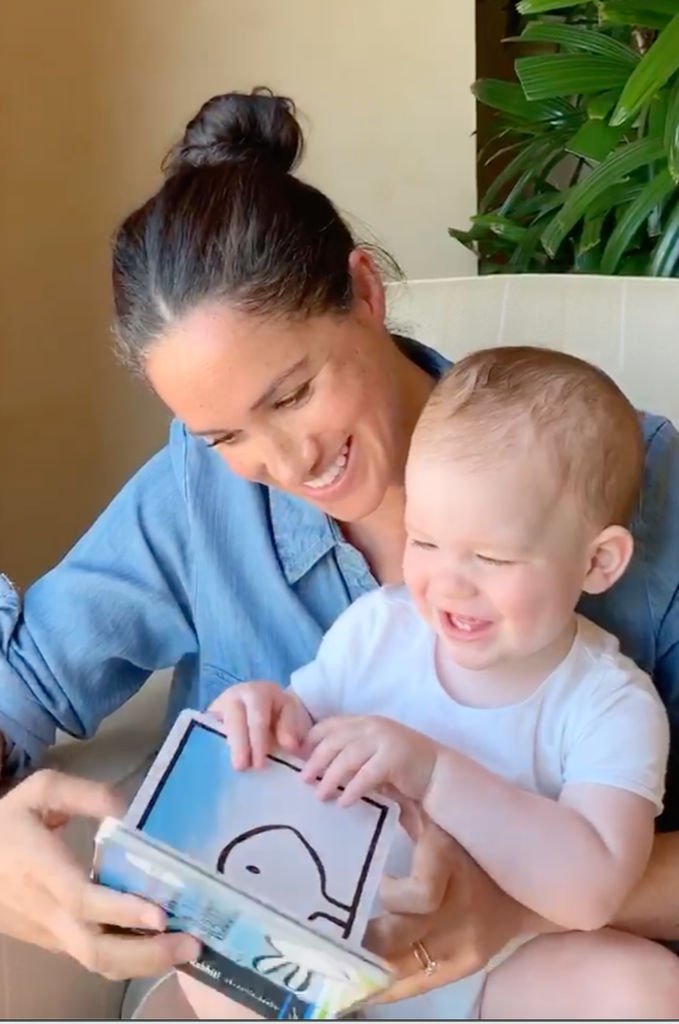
(240, 128)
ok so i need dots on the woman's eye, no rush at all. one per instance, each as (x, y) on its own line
(294, 399)
(224, 439)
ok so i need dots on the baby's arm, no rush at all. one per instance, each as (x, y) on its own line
(259, 716)
(571, 860)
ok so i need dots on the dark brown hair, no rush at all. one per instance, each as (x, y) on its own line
(230, 222)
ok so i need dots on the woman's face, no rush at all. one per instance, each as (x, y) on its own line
(316, 407)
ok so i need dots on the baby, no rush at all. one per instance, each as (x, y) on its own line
(476, 689)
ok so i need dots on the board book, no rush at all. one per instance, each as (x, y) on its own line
(277, 885)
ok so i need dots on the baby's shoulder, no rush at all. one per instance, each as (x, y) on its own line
(601, 677)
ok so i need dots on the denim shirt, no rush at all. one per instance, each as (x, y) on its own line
(193, 567)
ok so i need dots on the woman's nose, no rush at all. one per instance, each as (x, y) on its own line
(291, 461)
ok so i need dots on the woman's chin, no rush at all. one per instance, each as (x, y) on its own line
(353, 507)
(356, 496)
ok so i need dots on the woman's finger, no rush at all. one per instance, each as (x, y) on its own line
(390, 935)
(433, 865)
(412, 895)
(105, 906)
(48, 869)
(14, 922)
(451, 963)
(452, 960)
(412, 817)
(120, 957)
(46, 896)
(412, 979)
(131, 956)
(50, 793)
(53, 878)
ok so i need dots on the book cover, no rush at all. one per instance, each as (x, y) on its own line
(277, 884)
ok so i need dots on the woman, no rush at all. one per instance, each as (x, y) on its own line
(242, 298)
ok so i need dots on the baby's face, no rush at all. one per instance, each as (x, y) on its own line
(496, 556)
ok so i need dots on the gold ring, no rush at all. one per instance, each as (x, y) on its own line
(424, 960)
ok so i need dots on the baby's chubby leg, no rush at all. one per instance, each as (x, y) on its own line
(601, 975)
(208, 1004)
(180, 997)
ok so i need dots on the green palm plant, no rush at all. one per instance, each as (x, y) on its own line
(591, 136)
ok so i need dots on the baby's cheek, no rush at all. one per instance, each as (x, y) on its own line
(536, 607)
(523, 600)
(420, 599)
(415, 580)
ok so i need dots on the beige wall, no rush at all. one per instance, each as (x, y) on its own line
(93, 92)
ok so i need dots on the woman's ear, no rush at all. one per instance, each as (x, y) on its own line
(367, 286)
(610, 555)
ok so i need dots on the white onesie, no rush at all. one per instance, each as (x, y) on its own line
(596, 718)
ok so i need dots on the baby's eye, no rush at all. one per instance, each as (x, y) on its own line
(295, 398)
(424, 545)
(494, 561)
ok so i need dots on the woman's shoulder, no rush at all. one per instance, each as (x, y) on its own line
(656, 523)
(642, 609)
(653, 424)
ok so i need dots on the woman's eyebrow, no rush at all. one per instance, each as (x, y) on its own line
(263, 399)
(275, 385)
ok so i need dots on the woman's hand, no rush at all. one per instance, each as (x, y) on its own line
(46, 897)
(450, 905)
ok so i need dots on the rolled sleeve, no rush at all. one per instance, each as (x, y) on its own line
(88, 634)
(28, 729)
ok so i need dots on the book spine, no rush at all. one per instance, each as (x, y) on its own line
(254, 991)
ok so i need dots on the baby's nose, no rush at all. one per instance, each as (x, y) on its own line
(458, 585)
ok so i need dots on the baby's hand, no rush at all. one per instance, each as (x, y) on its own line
(364, 753)
(257, 717)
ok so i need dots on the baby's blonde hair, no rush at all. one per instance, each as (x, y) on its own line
(498, 400)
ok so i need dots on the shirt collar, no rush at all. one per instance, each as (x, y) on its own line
(302, 533)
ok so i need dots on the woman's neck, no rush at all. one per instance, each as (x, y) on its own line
(415, 386)
(381, 536)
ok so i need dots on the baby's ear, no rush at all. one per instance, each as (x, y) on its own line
(610, 555)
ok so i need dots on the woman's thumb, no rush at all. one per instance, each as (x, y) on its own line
(56, 797)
